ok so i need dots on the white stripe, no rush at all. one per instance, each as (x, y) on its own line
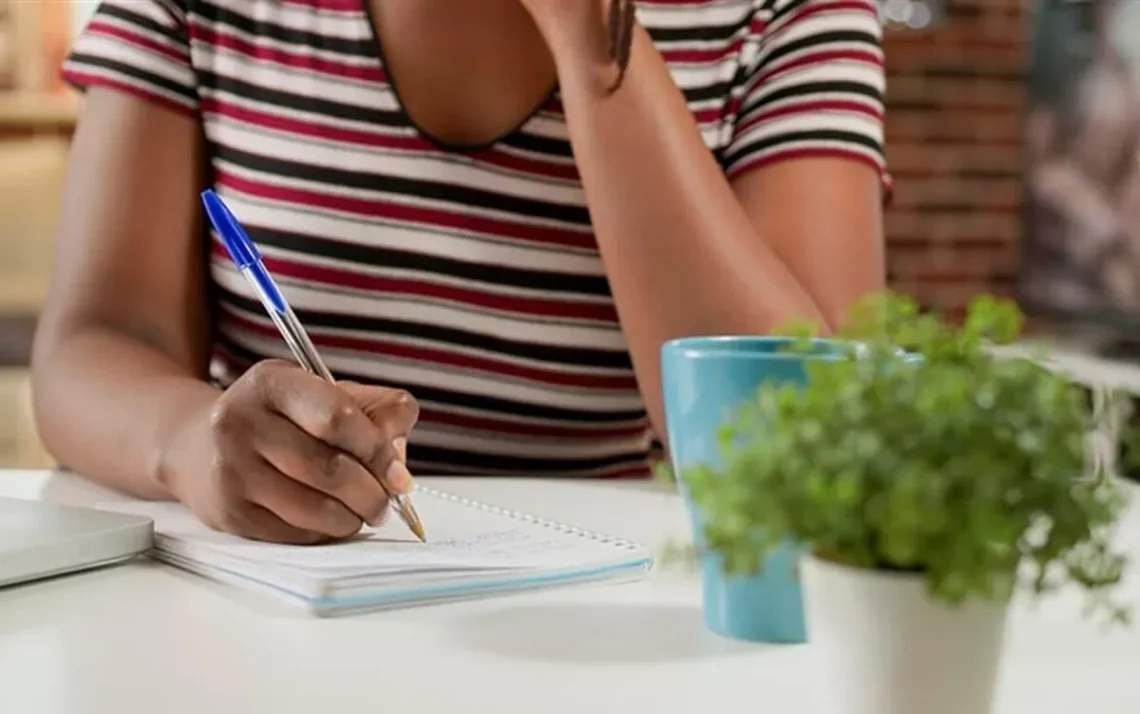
(455, 209)
(814, 121)
(793, 27)
(350, 26)
(382, 370)
(432, 242)
(417, 166)
(564, 368)
(537, 330)
(440, 279)
(133, 56)
(857, 72)
(699, 14)
(292, 48)
(249, 70)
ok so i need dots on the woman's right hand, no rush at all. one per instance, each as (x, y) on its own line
(285, 456)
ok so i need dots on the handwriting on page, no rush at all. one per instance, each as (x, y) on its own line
(459, 538)
(507, 548)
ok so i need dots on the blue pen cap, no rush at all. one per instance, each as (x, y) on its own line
(241, 248)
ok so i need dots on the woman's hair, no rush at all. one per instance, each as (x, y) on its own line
(620, 41)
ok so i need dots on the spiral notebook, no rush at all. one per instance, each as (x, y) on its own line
(473, 550)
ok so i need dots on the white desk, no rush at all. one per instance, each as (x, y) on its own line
(146, 639)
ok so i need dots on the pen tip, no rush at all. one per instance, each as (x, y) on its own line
(413, 520)
(419, 531)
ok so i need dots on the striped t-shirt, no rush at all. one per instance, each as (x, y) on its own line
(469, 277)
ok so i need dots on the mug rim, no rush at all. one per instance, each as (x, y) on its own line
(734, 354)
(724, 345)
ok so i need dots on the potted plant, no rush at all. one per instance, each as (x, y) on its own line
(926, 478)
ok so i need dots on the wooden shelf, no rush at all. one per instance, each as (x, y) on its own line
(38, 111)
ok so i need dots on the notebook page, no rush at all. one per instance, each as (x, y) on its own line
(460, 537)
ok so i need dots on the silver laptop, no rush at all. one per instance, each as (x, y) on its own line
(42, 540)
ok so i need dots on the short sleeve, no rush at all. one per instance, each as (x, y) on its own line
(140, 47)
(813, 85)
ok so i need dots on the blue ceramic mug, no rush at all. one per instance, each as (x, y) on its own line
(706, 380)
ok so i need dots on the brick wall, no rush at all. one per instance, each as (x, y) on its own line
(954, 110)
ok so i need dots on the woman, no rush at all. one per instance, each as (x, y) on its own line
(500, 207)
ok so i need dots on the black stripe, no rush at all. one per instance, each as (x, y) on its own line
(819, 38)
(433, 190)
(700, 33)
(476, 402)
(807, 89)
(512, 464)
(212, 14)
(176, 35)
(717, 90)
(291, 102)
(562, 148)
(793, 137)
(81, 61)
(558, 355)
(498, 275)
(537, 144)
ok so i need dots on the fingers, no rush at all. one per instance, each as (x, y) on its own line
(322, 468)
(259, 523)
(331, 414)
(395, 412)
(299, 506)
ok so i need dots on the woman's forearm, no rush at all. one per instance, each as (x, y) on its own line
(682, 255)
(107, 405)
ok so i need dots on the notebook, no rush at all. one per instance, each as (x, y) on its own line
(474, 549)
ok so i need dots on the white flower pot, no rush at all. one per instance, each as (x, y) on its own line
(889, 649)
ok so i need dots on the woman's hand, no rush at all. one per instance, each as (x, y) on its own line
(285, 456)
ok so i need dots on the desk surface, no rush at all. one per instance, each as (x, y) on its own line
(144, 638)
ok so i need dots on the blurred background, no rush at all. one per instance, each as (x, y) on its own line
(1013, 131)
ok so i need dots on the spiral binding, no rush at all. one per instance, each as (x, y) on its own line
(528, 518)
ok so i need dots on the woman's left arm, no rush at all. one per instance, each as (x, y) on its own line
(793, 229)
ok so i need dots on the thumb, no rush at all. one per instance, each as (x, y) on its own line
(394, 411)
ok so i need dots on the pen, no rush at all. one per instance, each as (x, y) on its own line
(248, 261)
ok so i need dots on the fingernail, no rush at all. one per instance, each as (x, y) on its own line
(398, 478)
(400, 444)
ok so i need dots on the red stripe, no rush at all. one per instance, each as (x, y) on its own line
(698, 55)
(501, 426)
(757, 162)
(411, 142)
(340, 70)
(808, 9)
(447, 359)
(822, 105)
(352, 6)
(482, 422)
(291, 124)
(426, 217)
(514, 162)
(820, 57)
(166, 49)
(641, 471)
(405, 288)
(83, 79)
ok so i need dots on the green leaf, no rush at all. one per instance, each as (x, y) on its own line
(961, 465)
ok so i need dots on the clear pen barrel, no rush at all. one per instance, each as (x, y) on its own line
(291, 330)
